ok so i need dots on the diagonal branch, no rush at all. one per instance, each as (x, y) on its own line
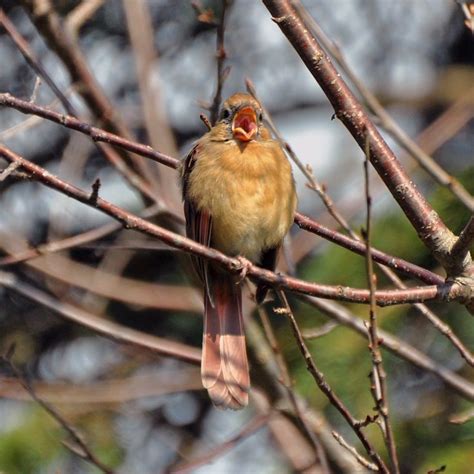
(427, 223)
(80, 448)
(386, 121)
(323, 385)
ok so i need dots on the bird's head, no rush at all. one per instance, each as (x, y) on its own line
(241, 115)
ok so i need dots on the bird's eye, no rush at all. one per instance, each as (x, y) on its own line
(260, 116)
(225, 114)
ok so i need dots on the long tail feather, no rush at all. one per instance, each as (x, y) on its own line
(224, 368)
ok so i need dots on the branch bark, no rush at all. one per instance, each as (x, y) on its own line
(427, 223)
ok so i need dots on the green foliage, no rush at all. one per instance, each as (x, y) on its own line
(32, 444)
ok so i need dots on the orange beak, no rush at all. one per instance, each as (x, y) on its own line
(244, 126)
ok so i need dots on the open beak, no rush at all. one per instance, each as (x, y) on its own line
(244, 126)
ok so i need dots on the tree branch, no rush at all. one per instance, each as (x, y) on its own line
(427, 223)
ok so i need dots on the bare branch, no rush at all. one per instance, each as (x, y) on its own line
(360, 459)
(326, 389)
(220, 57)
(80, 447)
(429, 226)
(404, 267)
(378, 374)
(385, 120)
(400, 348)
(4, 174)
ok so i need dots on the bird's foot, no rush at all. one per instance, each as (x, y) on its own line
(243, 267)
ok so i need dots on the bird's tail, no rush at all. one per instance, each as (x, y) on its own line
(224, 367)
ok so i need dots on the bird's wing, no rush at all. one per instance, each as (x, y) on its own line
(198, 222)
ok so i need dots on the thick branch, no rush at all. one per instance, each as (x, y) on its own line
(429, 226)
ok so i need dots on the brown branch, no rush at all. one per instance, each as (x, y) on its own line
(284, 377)
(355, 244)
(429, 226)
(111, 155)
(378, 374)
(447, 291)
(400, 348)
(102, 326)
(326, 389)
(80, 447)
(402, 266)
(221, 55)
(97, 134)
(384, 118)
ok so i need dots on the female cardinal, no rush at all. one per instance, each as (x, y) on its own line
(239, 197)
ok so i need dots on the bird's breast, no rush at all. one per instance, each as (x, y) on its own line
(249, 192)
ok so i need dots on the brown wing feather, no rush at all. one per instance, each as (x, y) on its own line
(198, 223)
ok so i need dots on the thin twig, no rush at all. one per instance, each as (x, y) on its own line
(356, 245)
(248, 430)
(378, 374)
(80, 448)
(284, 377)
(221, 55)
(360, 459)
(320, 331)
(8, 171)
(320, 380)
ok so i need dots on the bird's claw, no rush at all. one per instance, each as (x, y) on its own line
(243, 267)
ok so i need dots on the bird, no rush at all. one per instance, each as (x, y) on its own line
(239, 197)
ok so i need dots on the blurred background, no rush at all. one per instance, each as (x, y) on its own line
(155, 61)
